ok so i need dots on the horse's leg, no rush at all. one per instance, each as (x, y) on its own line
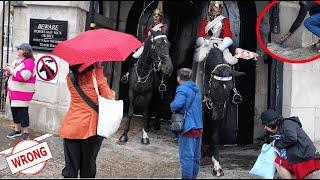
(124, 137)
(207, 134)
(147, 100)
(156, 121)
(217, 170)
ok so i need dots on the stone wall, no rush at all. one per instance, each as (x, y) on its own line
(261, 97)
(301, 96)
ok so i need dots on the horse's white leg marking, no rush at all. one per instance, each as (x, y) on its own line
(216, 166)
(144, 134)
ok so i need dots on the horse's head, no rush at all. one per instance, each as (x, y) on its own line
(160, 47)
(219, 76)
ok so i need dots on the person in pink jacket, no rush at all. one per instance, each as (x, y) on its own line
(21, 87)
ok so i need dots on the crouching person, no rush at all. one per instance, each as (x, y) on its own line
(188, 100)
(297, 156)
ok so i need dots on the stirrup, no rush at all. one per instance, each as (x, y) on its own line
(236, 99)
(125, 78)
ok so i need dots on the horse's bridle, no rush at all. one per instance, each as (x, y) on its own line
(236, 96)
(207, 100)
(156, 67)
(212, 75)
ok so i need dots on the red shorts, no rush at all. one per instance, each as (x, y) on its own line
(301, 169)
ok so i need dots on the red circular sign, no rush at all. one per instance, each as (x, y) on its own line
(50, 73)
(264, 47)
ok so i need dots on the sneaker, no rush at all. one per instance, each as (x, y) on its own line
(25, 136)
(14, 134)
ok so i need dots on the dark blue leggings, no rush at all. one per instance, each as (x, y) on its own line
(312, 23)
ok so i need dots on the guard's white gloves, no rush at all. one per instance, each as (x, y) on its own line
(200, 41)
(225, 43)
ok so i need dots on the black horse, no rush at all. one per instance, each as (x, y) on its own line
(145, 77)
(217, 88)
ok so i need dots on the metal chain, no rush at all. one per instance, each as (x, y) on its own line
(145, 77)
(208, 102)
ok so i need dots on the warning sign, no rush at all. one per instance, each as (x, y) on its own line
(47, 69)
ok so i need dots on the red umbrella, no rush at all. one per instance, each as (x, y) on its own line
(96, 46)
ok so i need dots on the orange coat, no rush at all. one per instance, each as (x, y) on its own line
(81, 120)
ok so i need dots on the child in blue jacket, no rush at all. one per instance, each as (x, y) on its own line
(188, 95)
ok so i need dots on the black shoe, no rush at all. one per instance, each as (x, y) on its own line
(14, 134)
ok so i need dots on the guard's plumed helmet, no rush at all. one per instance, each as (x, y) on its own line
(159, 9)
(211, 11)
(218, 4)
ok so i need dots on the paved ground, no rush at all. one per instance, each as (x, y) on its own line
(293, 53)
(133, 160)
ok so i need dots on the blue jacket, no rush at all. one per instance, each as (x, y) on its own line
(183, 98)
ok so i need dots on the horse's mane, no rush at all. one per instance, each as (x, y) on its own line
(215, 57)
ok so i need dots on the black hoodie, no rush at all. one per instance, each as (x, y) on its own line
(305, 6)
(297, 143)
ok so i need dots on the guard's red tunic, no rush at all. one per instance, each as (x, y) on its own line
(225, 32)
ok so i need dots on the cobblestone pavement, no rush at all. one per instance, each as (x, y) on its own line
(134, 160)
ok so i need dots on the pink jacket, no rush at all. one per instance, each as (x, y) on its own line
(21, 85)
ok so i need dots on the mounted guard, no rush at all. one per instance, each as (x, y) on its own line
(156, 25)
(215, 76)
(214, 32)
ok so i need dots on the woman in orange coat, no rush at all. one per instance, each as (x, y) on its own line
(79, 127)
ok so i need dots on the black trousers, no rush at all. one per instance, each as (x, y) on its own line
(20, 115)
(81, 154)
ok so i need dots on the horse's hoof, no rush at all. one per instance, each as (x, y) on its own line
(123, 139)
(145, 141)
(218, 172)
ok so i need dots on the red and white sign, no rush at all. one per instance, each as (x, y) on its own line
(47, 69)
(29, 157)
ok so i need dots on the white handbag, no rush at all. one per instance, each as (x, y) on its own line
(110, 113)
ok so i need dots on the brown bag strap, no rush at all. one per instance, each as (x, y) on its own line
(84, 97)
